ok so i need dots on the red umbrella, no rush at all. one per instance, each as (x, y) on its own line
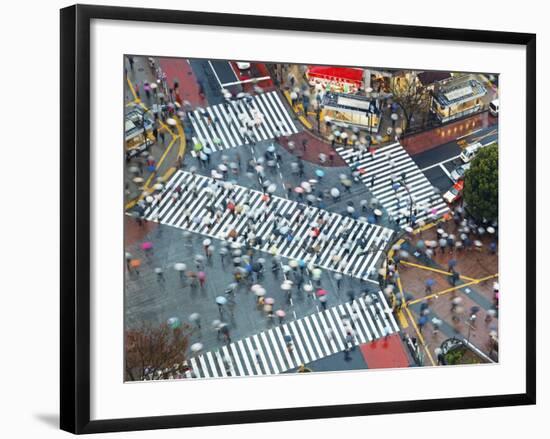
(147, 245)
(321, 292)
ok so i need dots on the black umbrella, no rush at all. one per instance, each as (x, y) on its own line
(256, 267)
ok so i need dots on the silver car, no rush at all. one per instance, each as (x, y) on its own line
(459, 172)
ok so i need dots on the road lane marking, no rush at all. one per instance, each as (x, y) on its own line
(440, 163)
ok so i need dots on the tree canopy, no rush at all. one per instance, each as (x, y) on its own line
(481, 184)
(154, 348)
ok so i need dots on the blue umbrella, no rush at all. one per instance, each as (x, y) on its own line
(319, 173)
(371, 219)
(302, 263)
(430, 282)
(248, 268)
(422, 320)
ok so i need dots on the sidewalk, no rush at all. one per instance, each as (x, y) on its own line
(314, 147)
(180, 70)
(478, 270)
(426, 140)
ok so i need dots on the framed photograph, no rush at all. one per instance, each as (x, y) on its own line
(279, 218)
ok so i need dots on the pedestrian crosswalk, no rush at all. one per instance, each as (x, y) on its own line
(239, 122)
(387, 166)
(284, 227)
(289, 345)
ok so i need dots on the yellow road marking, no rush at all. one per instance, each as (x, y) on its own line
(402, 319)
(181, 136)
(448, 290)
(436, 270)
(420, 337)
(132, 88)
(157, 167)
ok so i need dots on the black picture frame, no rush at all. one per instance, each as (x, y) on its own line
(75, 217)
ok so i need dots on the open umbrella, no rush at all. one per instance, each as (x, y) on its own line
(286, 286)
(220, 300)
(308, 288)
(319, 173)
(147, 245)
(269, 300)
(196, 347)
(320, 292)
(280, 313)
(173, 322)
(180, 266)
(259, 292)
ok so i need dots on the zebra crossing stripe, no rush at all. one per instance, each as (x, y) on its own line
(279, 336)
(326, 327)
(311, 352)
(389, 314)
(195, 213)
(267, 347)
(195, 367)
(204, 368)
(297, 359)
(319, 332)
(298, 338)
(254, 359)
(391, 162)
(238, 360)
(276, 349)
(309, 341)
(368, 316)
(228, 356)
(228, 121)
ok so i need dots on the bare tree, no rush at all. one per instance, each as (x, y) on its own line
(411, 96)
(155, 348)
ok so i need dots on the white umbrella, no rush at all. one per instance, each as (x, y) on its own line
(196, 347)
(285, 286)
(180, 266)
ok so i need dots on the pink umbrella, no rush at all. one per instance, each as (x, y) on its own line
(269, 300)
(280, 313)
(321, 292)
(299, 190)
(147, 245)
(201, 275)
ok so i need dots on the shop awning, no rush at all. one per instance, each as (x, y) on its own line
(342, 74)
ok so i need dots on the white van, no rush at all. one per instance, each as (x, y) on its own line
(493, 108)
(470, 151)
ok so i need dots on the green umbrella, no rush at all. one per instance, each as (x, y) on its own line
(198, 146)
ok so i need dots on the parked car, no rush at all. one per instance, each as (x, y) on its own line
(459, 172)
(470, 151)
(455, 193)
(493, 108)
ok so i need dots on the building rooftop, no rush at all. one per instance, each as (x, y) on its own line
(458, 89)
(431, 76)
(347, 101)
